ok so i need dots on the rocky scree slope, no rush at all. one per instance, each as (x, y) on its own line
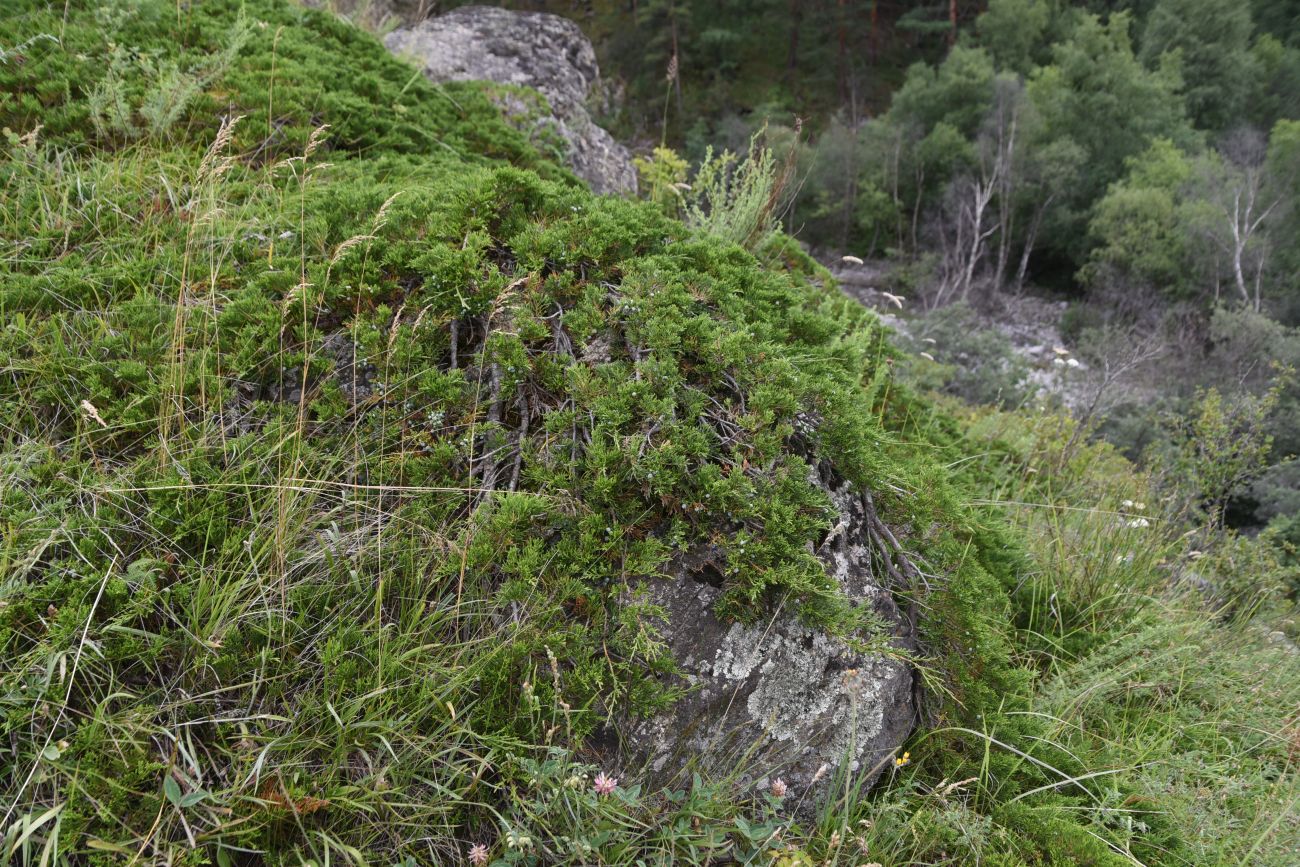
(370, 451)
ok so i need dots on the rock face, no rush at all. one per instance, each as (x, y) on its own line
(544, 52)
(777, 698)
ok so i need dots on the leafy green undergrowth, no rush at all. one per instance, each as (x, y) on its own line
(333, 456)
(1166, 700)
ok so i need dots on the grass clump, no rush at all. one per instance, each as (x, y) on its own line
(1164, 698)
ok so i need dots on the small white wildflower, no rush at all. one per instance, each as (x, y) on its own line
(927, 356)
(851, 260)
(1071, 362)
(896, 300)
(1058, 362)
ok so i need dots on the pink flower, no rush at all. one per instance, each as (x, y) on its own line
(478, 854)
(778, 788)
(604, 785)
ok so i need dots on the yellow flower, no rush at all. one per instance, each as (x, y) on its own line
(904, 759)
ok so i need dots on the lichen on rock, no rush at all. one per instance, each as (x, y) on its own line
(780, 697)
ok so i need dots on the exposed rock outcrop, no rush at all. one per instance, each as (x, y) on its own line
(779, 698)
(544, 52)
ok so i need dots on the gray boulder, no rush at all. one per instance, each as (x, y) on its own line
(778, 699)
(535, 50)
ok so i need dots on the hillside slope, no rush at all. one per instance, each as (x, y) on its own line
(340, 430)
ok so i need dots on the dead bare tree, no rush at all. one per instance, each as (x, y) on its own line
(1003, 133)
(1122, 354)
(1243, 195)
(982, 204)
(1046, 170)
(977, 228)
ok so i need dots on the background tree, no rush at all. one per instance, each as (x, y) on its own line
(958, 92)
(1137, 228)
(1050, 169)
(980, 203)
(1014, 33)
(1097, 95)
(1281, 18)
(1276, 95)
(1210, 40)
(1241, 195)
(1283, 167)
